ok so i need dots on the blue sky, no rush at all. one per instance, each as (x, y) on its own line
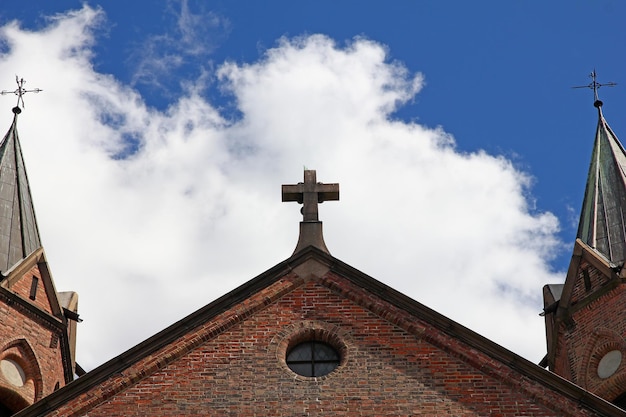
(498, 74)
(497, 80)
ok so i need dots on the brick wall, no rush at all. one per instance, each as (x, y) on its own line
(392, 364)
(31, 284)
(597, 327)
(589, 281)
(32, 344)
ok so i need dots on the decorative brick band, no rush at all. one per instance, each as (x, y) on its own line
(601, 342)
(19, 351)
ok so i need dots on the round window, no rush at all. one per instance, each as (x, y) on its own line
(609, 364)
(313, 358)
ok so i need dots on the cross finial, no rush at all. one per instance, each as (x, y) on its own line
(19, 92)
(310, 193)
(595, 86)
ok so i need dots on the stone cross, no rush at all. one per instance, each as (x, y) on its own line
(310, 193)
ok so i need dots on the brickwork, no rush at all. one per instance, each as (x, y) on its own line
(589, 281)
(393, 364)
(596, 329)
(24, 286)
(33, 344)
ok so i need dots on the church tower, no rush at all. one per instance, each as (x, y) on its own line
(37, 324)
(586, 316)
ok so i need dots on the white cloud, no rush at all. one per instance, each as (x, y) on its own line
(194, 208)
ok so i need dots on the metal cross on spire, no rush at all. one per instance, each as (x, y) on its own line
(19, 92)
(595, 86)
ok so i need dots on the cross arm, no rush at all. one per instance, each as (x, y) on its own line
(293, 192)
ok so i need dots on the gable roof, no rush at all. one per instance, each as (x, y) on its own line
(17, 272)
(19, 234)
(159, 350)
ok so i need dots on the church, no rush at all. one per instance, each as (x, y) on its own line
(313, 336)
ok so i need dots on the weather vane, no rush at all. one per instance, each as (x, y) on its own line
(19, 92)
(595, 86)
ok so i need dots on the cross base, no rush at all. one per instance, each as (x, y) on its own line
(310, 193)
(311, 235)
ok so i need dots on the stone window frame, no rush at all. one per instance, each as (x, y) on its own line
(19, 351)
(314, 364)
(601, 347)
(308, 330)
(601, 342)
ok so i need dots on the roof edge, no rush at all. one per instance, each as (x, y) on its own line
(394, 297)
(169, 334)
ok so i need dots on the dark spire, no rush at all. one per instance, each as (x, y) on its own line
(603, 216)
(309, 193)
(19, 235)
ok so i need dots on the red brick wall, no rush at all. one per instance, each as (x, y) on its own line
(598, 327)
(23, 288)
(393, 366)
(596, 282)
(33, 344)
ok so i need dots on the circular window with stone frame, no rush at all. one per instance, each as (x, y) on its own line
(312, 349)
(313, 358)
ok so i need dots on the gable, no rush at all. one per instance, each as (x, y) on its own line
(385, 371)
(30, 279)
(590, 276)
(397, 358)
(30, 287)
(589, 282)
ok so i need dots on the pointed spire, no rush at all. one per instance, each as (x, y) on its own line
(603, 217)
(19, 235)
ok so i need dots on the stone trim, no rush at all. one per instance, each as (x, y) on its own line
(312, 330)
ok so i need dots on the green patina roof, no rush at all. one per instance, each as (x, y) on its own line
(602, 219)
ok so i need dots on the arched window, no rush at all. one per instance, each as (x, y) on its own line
(20, 372)
(313, 358)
